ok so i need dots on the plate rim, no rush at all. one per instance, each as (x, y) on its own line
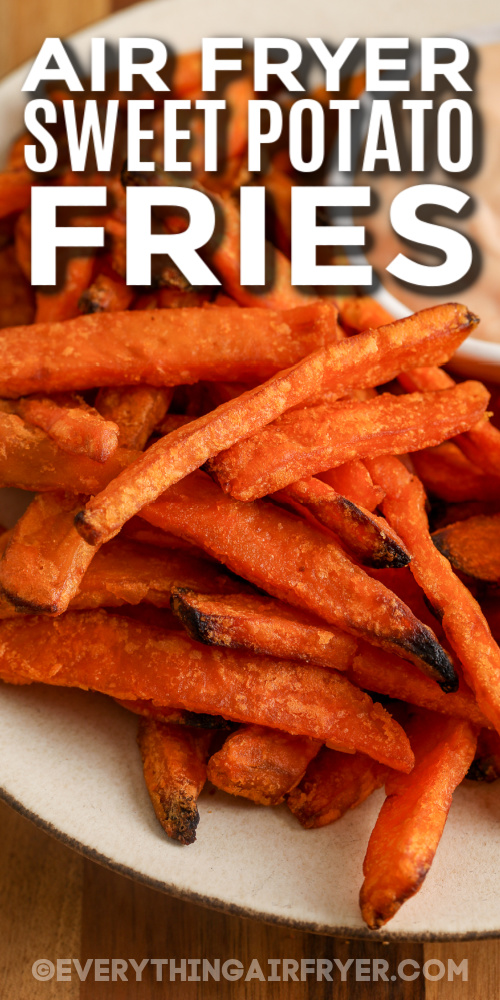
(384, 935)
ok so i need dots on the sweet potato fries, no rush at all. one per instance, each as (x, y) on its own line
(229, 532)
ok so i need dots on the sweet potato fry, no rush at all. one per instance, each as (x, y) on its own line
(463, 622)
(261, 764)
(30, 460)
(175, 769)
(43, 566)
(315, 439)
(136, 409)
(16, 294)
(409, 827)
(486, 764)
(15, 191)
(473, 546)
(297, 564)
(171, 422)
(45, 559)
(125, 572)
(481, 444)
(263, 625)
(174, 716)
(333, 783)
(62, 304)
(127, 660)
(159, 347)
(369, 537)
(364, 360)
(353, 481)
(106, 294)
(377, 670)
(138, 530)
(74, 426)
(449, 475)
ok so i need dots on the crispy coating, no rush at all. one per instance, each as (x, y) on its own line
(136, 409)
(47, 565)
(298, 564)
(481, 444)
(30, 460)
(263, 625)
(75, 427)
(128, 660)
(354, 482)
(377, 670)
(473, 546)
(261, 764)
(174, 761)
(450, 475)
(158, 347)
(334, 783)
(315, 439)
(363, 361)
(43, 564)
(409, 827)
(486, 763)
(369, 537)
(464, 624)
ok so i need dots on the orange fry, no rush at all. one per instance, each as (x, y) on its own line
(159, 347)
(174, 670)
(409, 827)
(16, 294)
(486, 764)
(263, 625)
(62, 304)
(353, 481)
(463, 622)
(364, 360)
(261, 764)
(481, 444)
(136, 409)
(174, 760)
(74, 426)
(369, 537)
(377, 670)
(45, 566)
(297, 564)
(174, 716)
(315, 439)
(447, 473)
(30, 460)
(473, 546)
(333, 783)
(15, 191)
(106, 294)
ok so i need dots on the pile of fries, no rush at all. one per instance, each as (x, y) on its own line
(229, 531)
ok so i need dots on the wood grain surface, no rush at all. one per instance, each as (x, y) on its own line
(56, 904)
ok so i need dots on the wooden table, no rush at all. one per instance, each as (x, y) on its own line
(56, 904)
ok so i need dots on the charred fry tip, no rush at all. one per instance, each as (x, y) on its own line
(424, 645)
(25, 607)
(87, 532)
(197, 625)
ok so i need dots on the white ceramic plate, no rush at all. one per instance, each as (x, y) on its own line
(69, 761)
